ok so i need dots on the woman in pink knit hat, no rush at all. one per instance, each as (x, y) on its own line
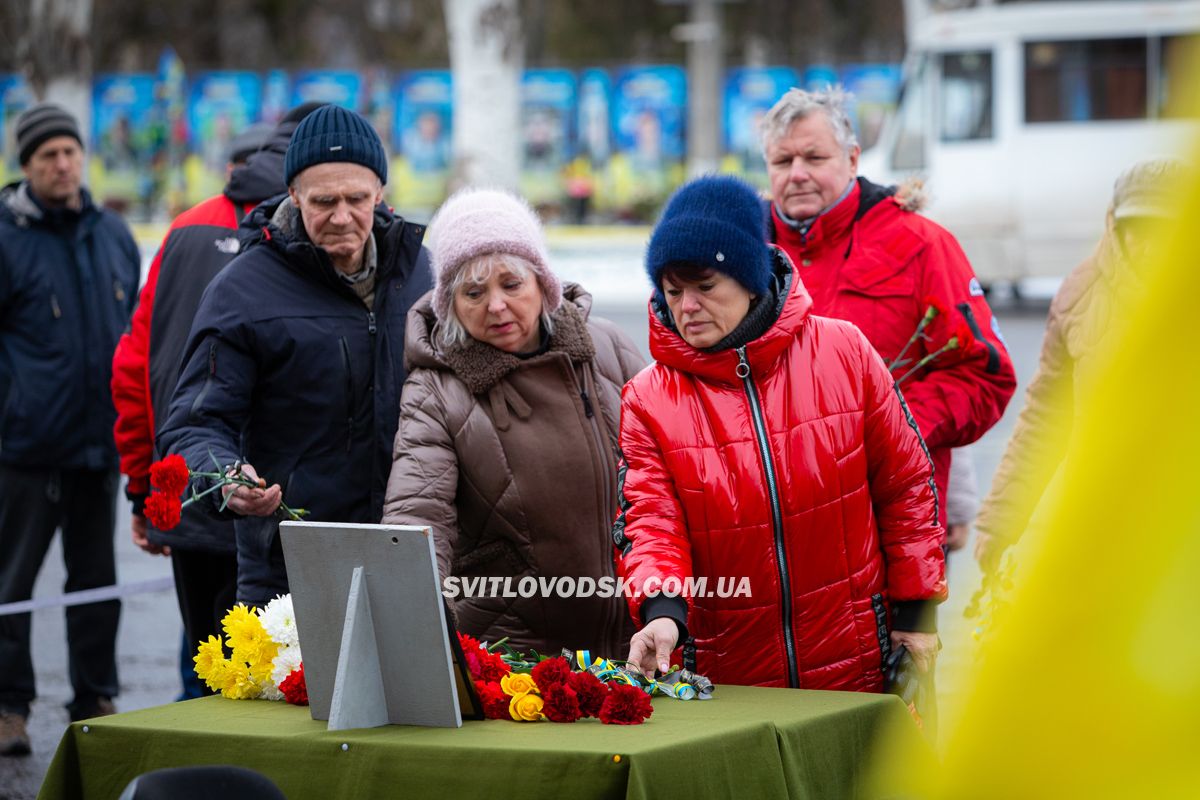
(507, 440)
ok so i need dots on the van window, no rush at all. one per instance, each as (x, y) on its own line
(1173, 89)
(966, 96)
(1079, 81)
(908, 150)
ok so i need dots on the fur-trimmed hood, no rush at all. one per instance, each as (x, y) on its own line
(479, 365)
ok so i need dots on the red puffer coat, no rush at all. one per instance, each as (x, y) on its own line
(874, 262)
(829, 514)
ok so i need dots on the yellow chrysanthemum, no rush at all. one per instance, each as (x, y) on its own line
(218, 675)
(260, 670)
(238, 617)
(517, 684)
(239, 685)
(525, 707)
(207, 654)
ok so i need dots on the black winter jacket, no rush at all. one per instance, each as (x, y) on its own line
(68, 283)
(286, 369)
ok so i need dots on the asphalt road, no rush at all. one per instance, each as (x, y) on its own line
(150, 633)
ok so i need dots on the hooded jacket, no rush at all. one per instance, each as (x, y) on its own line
(789, 464)
(873, 261)
(68, 280)
(198, 245)
(287, 369)
(512, 463)
(1085, 320)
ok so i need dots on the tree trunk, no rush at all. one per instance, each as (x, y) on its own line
(56, 52)
(486, 58)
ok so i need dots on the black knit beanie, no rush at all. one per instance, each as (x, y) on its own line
(41, 122)
(333, 134)
(714, 222)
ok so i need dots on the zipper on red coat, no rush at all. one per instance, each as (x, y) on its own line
(764, 450)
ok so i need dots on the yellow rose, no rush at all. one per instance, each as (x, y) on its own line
(517, 684)
(525, 707)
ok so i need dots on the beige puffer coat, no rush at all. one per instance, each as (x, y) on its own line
(512, 463)
(1085, 318)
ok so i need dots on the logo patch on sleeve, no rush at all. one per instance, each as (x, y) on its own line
(975, 288)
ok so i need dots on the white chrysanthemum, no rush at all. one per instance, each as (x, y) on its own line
(279, 621)
(285, 663)
(271, 692)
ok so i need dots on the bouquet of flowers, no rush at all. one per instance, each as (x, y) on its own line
(960, 339)
(171, 476)
(265, 657)
(511, 686)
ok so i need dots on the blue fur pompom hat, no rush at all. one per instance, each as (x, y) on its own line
(714, 222)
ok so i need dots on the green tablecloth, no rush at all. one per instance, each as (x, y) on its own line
(746, 742)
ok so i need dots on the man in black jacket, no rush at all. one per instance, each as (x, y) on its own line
(68, 277)
(294, 365)
(199, 244)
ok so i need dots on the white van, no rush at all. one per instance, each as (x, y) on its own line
(1020, 115)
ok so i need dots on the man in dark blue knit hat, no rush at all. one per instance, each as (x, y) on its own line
(294, 364)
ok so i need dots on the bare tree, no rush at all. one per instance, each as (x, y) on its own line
(486, 57)
(55, 51)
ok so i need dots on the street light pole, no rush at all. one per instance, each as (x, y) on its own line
(705, 64)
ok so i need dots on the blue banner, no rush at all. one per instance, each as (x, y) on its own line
(125, 138)
(341, 88)
(875, 89)
(649, 112)
(749, 94)
(15, 97)
(422, 139)
(594, 126)
(547, 132)
(221, 105)
(276, 96)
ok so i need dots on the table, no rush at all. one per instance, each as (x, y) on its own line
(746, 742)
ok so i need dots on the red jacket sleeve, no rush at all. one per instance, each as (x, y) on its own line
(649, 532)
(961, 395)
(902, 492)
(134, 429)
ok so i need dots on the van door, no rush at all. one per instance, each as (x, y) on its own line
(971, 177)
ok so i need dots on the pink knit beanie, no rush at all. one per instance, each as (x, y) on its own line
(477, 222)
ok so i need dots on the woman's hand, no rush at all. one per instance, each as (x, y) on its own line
(650, 648)
(922, 646)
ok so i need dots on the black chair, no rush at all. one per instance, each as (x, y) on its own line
(202, 783)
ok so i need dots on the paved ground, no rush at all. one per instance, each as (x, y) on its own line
(150, 629)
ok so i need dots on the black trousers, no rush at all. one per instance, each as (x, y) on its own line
(33, 504)
(206, 587)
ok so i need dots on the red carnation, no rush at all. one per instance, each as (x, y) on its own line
(625, 705)
(559, 702)
(493, 699)
(932, 303)
(170, 476)
(469, 643)
(294, 689)
(163, 510)
(551, 671)
(474, 665)
(966, 339)
(492, 666)
(590, 691)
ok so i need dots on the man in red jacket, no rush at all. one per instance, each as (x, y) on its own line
(146, 365)
(866, 257)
